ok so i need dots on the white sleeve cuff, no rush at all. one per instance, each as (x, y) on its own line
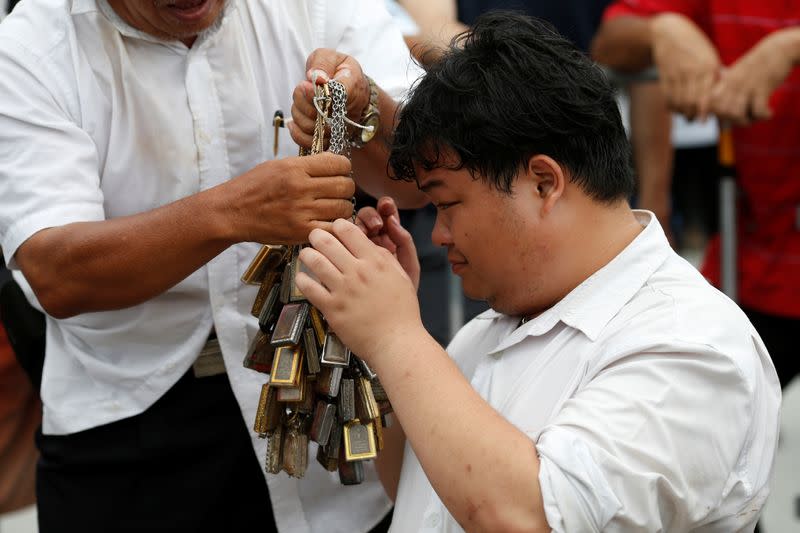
(576, 495)
(57, 215)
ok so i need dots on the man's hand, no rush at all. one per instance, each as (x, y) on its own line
(688, 64)
(742, 93)
(322, 65)
(364, 293)
(382, 225)
(280, 202)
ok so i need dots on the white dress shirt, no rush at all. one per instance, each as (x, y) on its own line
(652, 401)
(99, 120)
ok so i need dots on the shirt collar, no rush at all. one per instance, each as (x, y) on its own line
(86, 6)
(592, 304)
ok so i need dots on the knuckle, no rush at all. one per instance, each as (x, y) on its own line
(348, 188)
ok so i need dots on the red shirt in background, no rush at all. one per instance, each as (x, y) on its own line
(20, 415)
(767, 153)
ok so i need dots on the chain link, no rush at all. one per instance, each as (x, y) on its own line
(331, 99)
(338, 141)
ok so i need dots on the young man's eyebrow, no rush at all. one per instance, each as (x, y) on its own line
(428, 185)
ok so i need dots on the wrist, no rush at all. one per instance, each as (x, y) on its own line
(369, 120)
(789, 43)
(223, 220)
(396, 350)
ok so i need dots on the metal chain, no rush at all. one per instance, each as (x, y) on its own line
(331, 99)
(338, 141)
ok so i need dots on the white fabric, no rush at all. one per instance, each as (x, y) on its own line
(98, 120)
(652, 401)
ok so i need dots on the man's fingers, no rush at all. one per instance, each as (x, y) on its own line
(704, 96)
(387, 207)
(304, 122)
(299, 136)
(321, 64)
(314, 291)
(406, 250)
(369, 219)
(356, 242)
(327, 164)
(335, 187)
(302, 97)
(759, 106)
(384, 241)
(330, 209)
(329, 245)
(399, 235)
(327, 275)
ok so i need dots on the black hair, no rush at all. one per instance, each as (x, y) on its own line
(506, 90)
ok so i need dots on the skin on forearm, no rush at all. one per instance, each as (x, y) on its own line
(438, 24)
(791, 39)
(651, 126)
(624, 43)
(370, 167)
(483, 468)
(118, 263)
(432, 16)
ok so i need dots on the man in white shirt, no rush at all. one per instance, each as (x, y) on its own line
(610, 387)
(136, 181)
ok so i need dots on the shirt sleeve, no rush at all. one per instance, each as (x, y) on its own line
(365, 30)
(654, 442)
(48, 164)
(697, 10)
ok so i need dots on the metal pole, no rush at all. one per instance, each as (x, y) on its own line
(727, 215)
(727, 225)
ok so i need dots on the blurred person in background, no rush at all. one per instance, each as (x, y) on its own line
(20, 409)
(736, 60)
(20, 414)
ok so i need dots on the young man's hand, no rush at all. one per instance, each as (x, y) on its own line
(364, 293)
(382, 225)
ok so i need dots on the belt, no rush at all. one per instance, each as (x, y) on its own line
(209, 362)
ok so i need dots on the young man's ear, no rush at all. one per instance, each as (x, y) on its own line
(548, 178)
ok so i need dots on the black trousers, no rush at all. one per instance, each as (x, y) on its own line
(186, 464)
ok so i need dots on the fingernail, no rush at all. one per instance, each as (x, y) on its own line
(375, 222)
(316, 74)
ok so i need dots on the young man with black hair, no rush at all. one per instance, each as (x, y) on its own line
(610, 387)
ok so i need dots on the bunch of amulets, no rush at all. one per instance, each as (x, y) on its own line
(317, 390)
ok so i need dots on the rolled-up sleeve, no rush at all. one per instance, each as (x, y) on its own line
(48, 164)
(653, 442)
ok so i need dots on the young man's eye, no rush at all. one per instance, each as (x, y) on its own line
(445, 205)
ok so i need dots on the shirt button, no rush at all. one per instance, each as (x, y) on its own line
(432, 520)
